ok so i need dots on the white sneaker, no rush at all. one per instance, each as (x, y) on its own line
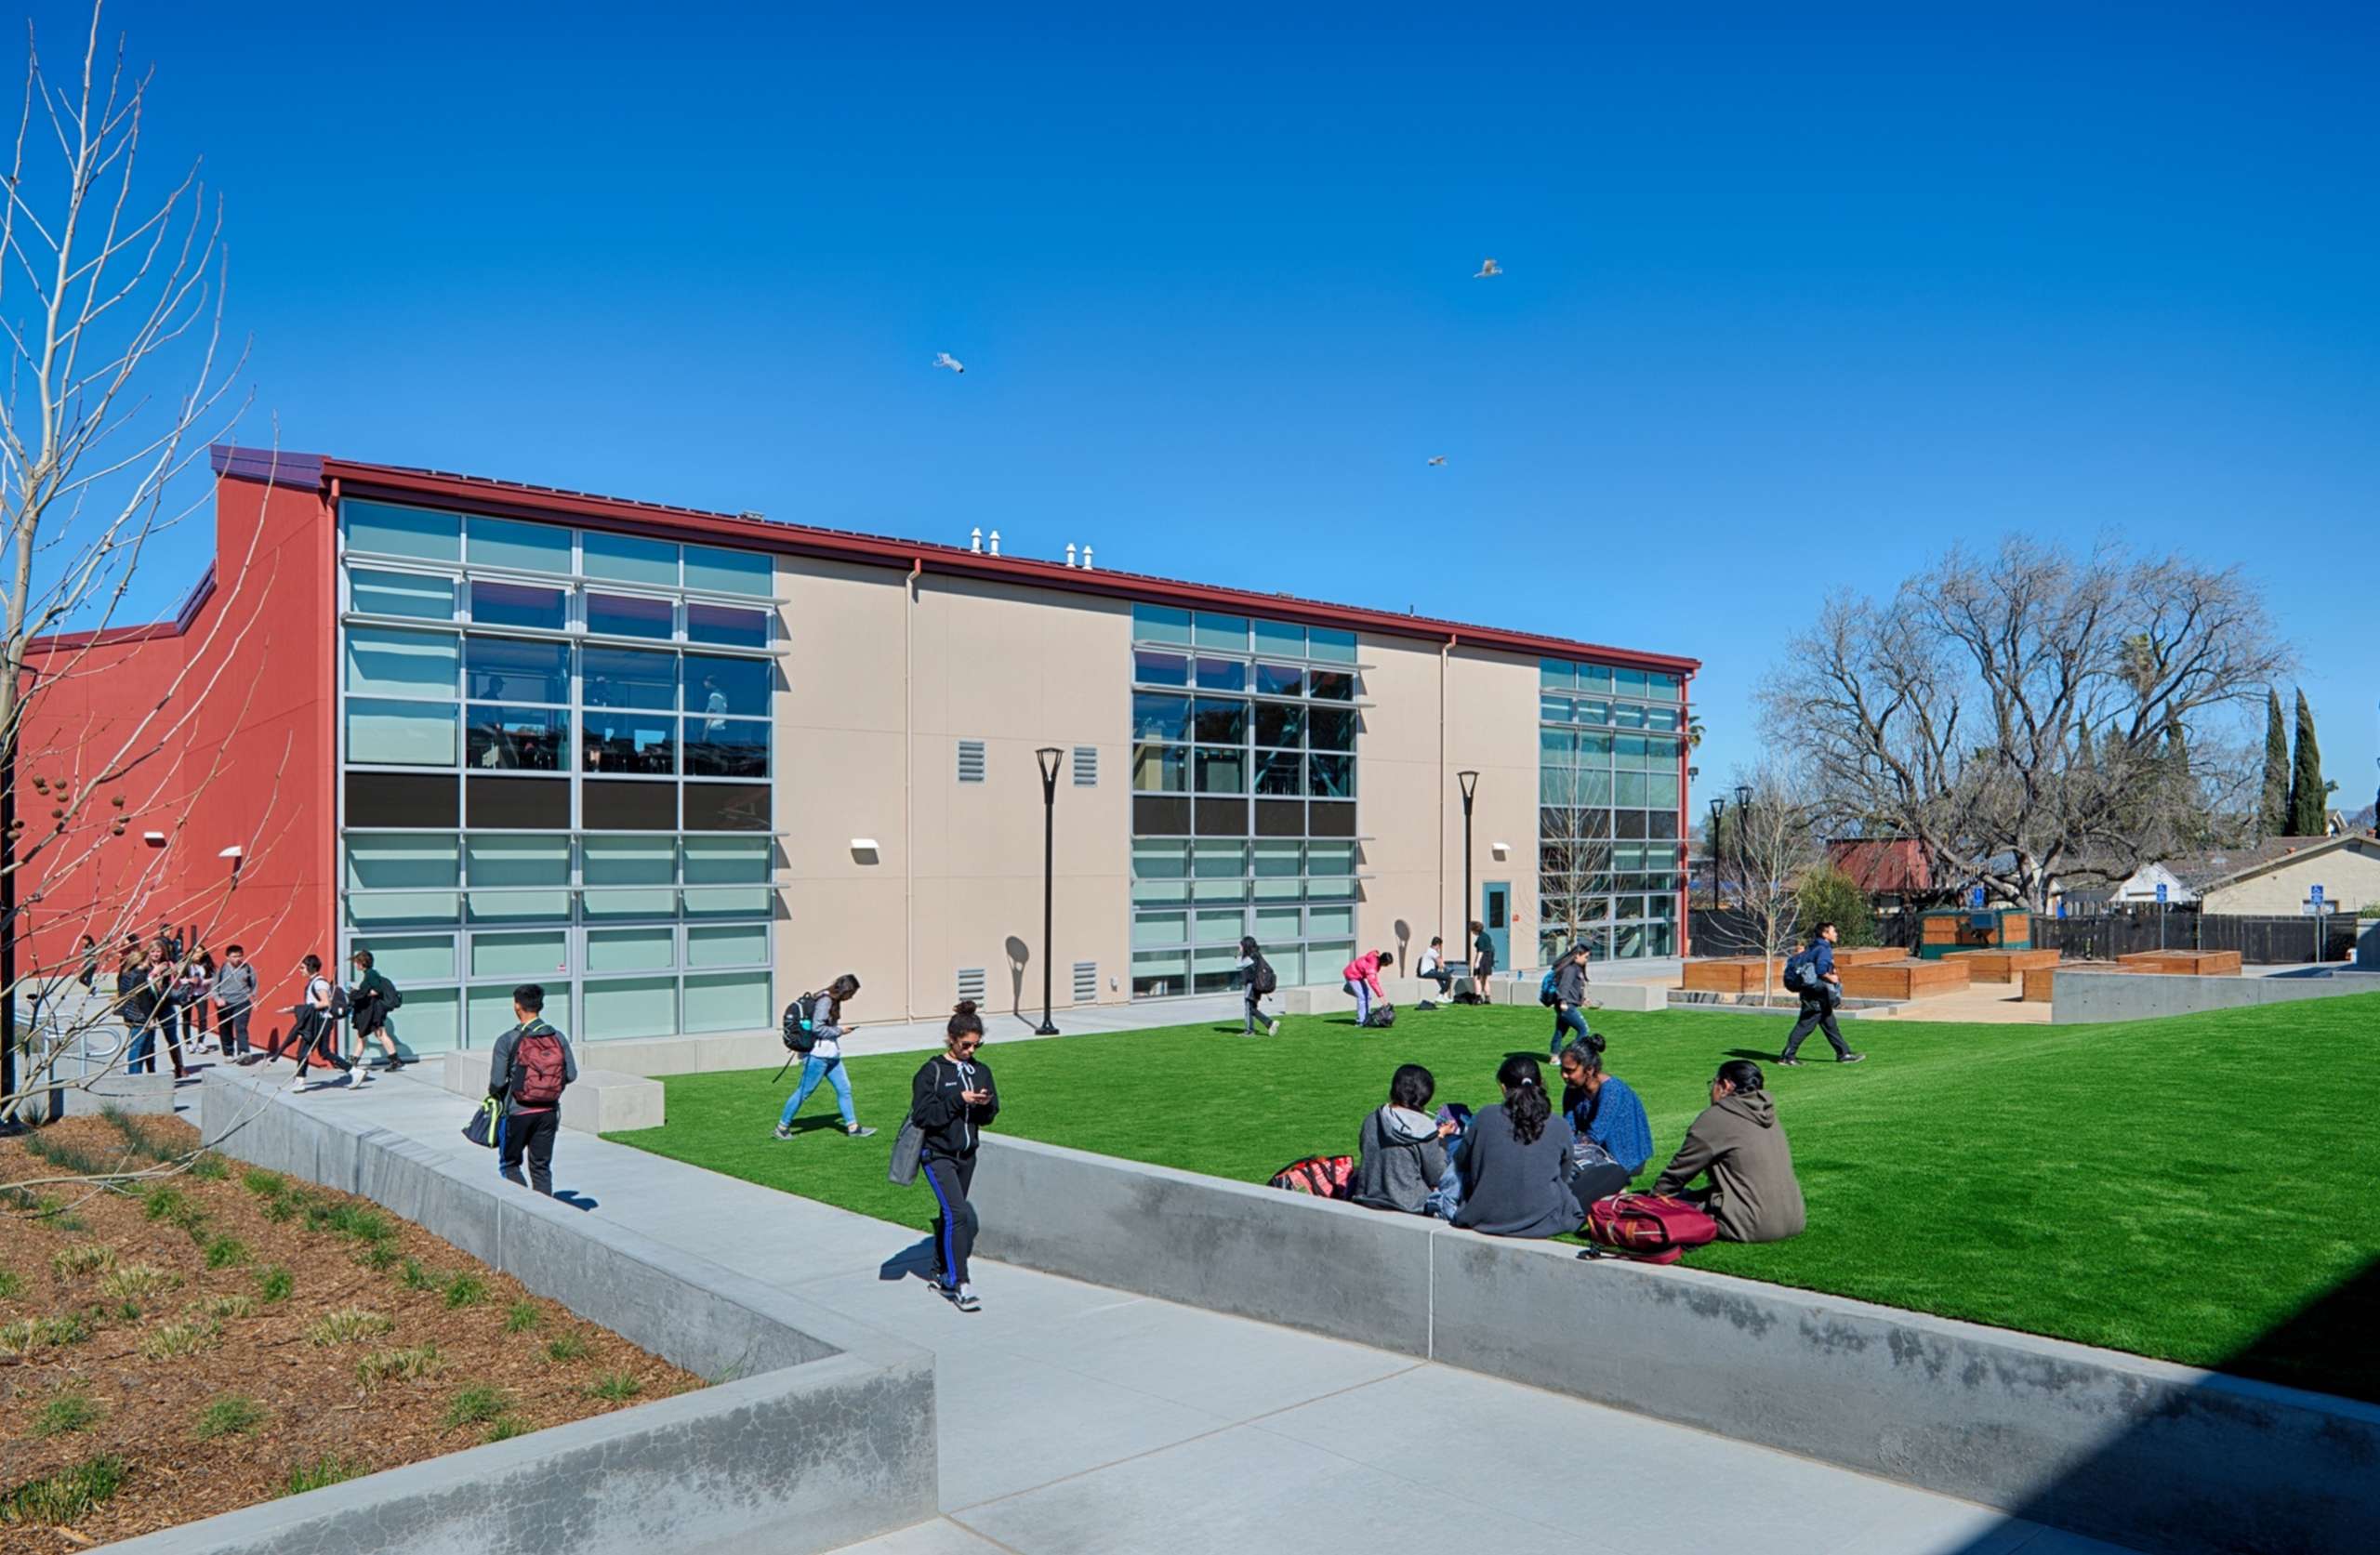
(1276, 1030)
(297, 1085)
(362, 1076)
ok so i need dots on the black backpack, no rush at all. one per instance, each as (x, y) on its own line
(802, 1025)
(339, 1007)
(392, 998)
(1262, 978)
(1383, 1016)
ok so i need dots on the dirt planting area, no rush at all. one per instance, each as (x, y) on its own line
(200, 1341)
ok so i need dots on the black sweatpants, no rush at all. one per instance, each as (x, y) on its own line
(530, 1135)
(319, 1036)
(231, 1026)
(954, 1229)
(1817, 1014)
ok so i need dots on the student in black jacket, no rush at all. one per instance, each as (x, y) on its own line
(951, 1101)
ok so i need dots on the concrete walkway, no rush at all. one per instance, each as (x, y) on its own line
(1075, 1418)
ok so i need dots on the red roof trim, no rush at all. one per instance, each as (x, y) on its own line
(503, 498)
(109, 636)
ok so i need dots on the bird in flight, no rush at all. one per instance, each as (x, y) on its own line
(1488, 267)
(1437, 458)
(944, 359)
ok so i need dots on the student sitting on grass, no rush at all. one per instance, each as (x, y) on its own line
(1737, 1139)
(1400, 1150)
(1615, 1139)
(1516, 1162)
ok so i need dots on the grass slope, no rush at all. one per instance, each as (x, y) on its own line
(2177, 1188)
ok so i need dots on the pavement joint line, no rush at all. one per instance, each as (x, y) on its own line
(1223, 1429)
(952, 1519)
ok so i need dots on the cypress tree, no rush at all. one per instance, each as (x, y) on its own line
(2272, 816)
(2181, 794)
(2308, 797)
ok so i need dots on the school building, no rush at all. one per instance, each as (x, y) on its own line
(679, 766)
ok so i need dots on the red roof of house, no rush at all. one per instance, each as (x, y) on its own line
(1883, 866)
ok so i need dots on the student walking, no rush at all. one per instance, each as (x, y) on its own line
(1820, 995)
(1363, 981)
(235, 1000)
(1569, 998)
(318, 1028)
(1256, 980)
(372, 998)
(951, 1101)
(528, 1072)
(825, 1059)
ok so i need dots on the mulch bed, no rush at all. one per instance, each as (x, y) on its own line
(126, 1360)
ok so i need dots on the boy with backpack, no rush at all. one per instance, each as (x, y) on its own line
(1812, 975)
(527, 1071)
(1256, 980)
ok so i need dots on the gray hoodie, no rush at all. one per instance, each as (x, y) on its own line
(1399, 1159)
(1570, 984)
(235, 987)
(1753, 1193)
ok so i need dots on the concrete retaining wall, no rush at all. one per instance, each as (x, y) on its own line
(2079, 999)
(598, 1101)
(2113, 1446)
(819, 1431)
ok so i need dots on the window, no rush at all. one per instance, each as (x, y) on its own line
(516, 669)
(727, 807)
(1086, 766)
(390, 531)
(1162, 669)
(630, 615)
(516, 802)
(628, 557)
(728, 687)
(400, 800)
(971, 760)
(528, 547)
(517, 739)
(724, 572)
(519, 604)
(618, 805)
(1160, 623)
(1157, 717)
(727, 748)
(630, 677)
(400, 733)
(726, 626)
(428, 599)
(384, 662)
(627, 743)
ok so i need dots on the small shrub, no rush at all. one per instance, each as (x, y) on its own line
(69, 1412)
(473, 1406)
(274, 1283)
(520, 1317)
(209, 1168)
(70, 1157)
(232, 1414)
(221, 1307)
(66, 1328)
(226, 1252)
(614, 1387)
(36, 1207)
(504, 1429)
(328, 1470)
(12, 1284)
(20, 1338)
(377, 1255)
(83, 1258)
(567, 1347)
(264, 1184)
(127, 1310)
(163, 1203)
(468, 1290)
(137, 1138)
(418, 1361)
(280, 1209)
(347, 1326)
(138, 1279)
(177, 1338)
(412, 1276)
(66, 1498)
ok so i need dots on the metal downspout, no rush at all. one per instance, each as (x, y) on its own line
(909, 786)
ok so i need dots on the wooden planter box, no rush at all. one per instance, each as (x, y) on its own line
(2185, 963)
(1943, 931)
(1903, 980)
(2039, 981)
(1732, 974)
(2003, 966)
(1867, 956)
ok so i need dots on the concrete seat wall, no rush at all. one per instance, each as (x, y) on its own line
(598, 1101)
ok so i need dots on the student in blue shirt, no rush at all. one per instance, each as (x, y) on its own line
(1819, 1000)
(1614, 1137)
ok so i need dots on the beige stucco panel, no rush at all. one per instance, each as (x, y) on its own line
(2350, 878)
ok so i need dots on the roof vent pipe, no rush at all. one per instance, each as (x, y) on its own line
(1070, 553)
(995, 542)
(1086, 558)
(976, 539)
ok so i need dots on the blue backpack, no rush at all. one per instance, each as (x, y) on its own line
(1545, 995)
(1801, 972)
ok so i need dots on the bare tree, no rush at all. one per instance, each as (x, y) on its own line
(1776, 841)
(110, 300)
(2027, 716)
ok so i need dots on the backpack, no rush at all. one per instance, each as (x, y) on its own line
(1546, 993)
(1323, 1177)
(1650, 1228)
(1801, 972)
(1262, 978)
(802, 1025)
(393, 999)
(339, 1007)
(1383, 1016)
(538, 1058)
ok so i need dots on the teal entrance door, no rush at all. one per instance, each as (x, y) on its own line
(1496, 915)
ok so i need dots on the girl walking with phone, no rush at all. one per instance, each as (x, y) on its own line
(951, 1101)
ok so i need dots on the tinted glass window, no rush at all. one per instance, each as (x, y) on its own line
(517, 604)
(523, 739)
(628, 557)
(628, 678)
(726, 626)
(400, 800)
(727, 807)
(516, 669)
(727, 747)
(728, 687)
(630, 615)
(629, 807)
(516, 804)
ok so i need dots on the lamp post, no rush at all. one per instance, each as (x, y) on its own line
(1047, 756)
(1718, 809)
(1469, 782)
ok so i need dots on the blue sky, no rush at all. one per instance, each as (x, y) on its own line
(1788, 303)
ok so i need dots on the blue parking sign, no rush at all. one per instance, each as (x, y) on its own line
(1975, 897)
(2315, 891)
(2161, 893)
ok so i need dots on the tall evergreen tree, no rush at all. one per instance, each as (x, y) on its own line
(2272, 816)
(2308, 797)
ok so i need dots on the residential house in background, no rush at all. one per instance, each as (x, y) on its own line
(2272, 878)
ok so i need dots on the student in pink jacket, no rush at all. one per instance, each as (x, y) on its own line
(1363, 980)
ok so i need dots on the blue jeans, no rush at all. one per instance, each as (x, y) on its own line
(141, 1057)
(814, 1070)
(1446, 1197)
(1566, 1016)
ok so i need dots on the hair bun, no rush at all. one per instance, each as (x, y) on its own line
(964, 1007)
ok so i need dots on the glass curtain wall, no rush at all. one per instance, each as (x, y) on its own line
(1243, 798)
(1609, 769)
(555, 760)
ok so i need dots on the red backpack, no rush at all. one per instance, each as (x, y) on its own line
(1650, 1228)
(537, 1060)
(1325, 1177)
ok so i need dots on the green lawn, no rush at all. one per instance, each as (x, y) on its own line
(2180, 1187)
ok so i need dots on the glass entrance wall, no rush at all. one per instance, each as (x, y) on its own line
(1610, 767)
(1244, 798)
(556, 760)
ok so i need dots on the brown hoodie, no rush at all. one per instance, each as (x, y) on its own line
(1738, 1141)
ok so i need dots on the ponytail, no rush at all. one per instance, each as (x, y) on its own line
(964, 1021)
(1525, 1101)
